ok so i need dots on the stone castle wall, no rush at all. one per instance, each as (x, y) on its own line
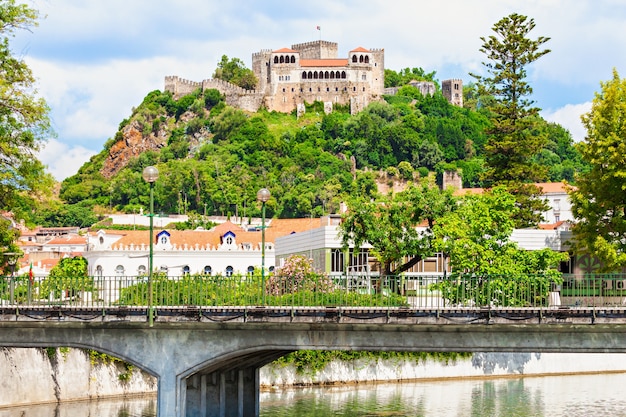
(285, 85)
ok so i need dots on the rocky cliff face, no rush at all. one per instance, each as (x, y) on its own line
(133, 144)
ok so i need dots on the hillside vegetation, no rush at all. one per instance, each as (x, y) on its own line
(213, 158)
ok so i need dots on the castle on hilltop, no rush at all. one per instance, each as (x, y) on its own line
(308, 72)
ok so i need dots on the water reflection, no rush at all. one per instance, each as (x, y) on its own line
(135, 407)
(571, 396)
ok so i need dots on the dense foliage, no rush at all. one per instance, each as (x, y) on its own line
(235, 72)
(238, 290)
(310, 362)
(490, 268)
(24, 123)
(24, 126)
(68, 278)
(217, 157)
(598, 200)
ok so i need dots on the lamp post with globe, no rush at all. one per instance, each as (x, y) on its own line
(263, 195)
(150, 175)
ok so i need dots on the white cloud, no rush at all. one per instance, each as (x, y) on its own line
(569, 117)
(62, 160)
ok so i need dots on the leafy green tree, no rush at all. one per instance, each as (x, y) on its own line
(24, 123)
(67, 279)
(476, 238)
(59, 215)
(8, 236)
(390, 225)
(512, 144)
(598, 201)
(235, 71)
(406, 75)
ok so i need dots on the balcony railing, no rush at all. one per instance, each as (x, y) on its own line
(421, 292)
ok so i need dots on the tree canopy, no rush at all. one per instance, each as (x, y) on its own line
(24, 123)
(235, 71)
(599, 199)
(389, 225)
(487, 266)
(512, 140)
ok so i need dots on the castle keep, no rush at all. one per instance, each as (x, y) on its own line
(306, 72)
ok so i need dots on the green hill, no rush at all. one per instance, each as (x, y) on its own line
(213, 158)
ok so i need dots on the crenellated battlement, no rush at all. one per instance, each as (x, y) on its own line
(261, 53)
(305, 45)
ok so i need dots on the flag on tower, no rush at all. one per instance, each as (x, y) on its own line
(30, 272)
(319, 28)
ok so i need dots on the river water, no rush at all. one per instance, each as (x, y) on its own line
(571, 396)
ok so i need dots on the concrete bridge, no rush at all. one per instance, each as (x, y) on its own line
(207, 360)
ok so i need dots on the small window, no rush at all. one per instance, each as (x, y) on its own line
(99, 271)
(229, 240)
(208, 270)
(101, 240)
(119, 270)
(250, 270)
(271, 268)
(163, 269)
(229, 271)
(141, 270)
(164, 240)
(186, 270)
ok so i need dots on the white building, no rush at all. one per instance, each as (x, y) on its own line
(224, 250)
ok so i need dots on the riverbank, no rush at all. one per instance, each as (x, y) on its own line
(38, 376)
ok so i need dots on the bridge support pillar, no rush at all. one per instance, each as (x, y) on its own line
(168, 399)
(224, 393)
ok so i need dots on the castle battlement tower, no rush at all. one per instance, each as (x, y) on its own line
(452, 90)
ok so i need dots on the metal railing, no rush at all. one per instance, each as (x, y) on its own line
(422, 292)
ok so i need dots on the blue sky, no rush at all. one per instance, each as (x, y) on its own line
(95, 60)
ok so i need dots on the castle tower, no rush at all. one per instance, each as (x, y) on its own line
(261, 68)
(453, 91)
(317, 50)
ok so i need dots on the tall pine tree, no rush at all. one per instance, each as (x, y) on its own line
(512, 142)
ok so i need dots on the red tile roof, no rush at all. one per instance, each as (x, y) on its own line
(68, 240)
(360, 49)
(324, 62)
(273, 228)
(284, 50)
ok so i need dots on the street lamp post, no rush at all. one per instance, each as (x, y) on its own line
(12, 261)
(150, 175)
(263, 195)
